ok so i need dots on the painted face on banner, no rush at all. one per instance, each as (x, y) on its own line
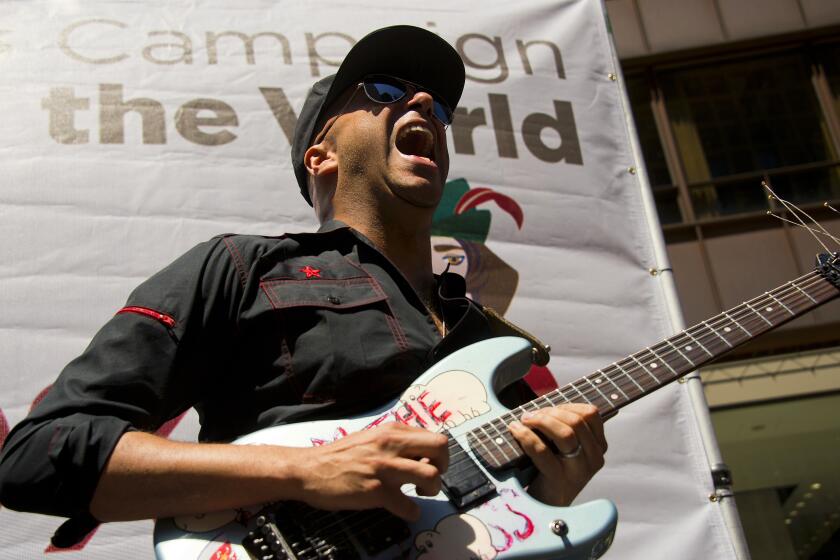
(448, 251)
(460, 230)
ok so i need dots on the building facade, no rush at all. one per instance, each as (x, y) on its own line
(727, 95)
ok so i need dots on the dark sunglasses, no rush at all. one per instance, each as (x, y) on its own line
(388, 89)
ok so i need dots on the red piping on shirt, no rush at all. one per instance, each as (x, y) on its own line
(157, 315)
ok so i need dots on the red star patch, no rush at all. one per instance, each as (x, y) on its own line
(310, 272)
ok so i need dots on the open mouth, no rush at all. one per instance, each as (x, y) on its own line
(416, 140)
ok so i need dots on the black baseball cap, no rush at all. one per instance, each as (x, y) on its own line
(403, 51)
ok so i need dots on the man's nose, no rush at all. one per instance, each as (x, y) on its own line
(421, 101)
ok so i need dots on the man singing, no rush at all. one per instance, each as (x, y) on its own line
(259, 331)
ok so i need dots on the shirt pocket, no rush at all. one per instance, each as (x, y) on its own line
(339, 335)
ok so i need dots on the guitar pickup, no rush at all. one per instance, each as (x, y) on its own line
(465, 483)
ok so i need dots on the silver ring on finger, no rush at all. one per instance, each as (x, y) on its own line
(572, 454)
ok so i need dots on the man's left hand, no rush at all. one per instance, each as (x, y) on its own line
(577, 432)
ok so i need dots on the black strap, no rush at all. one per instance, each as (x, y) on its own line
(502, 327)
(74, 530)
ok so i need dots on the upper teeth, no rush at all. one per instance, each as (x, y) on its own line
(426, 141)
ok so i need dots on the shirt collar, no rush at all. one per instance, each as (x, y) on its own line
(332, 225)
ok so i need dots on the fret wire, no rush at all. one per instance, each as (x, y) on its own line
(650, 373)
(759, 314)
(693, 348)
(603, 376)
(686, 358)
(697, 337)
(553, 398)
(615, 364)
(789, 290)
(809, 277)
(599, 392)
(546, 398)
(777, 300)
(688, 333)
(563, 394)
(505, 434)
(588, 393)
(717, 333)
(737, 323)
(481, 442)
(559, 394)
(759, 326)
(572, 385)
(795, 285)
(675, 350)
(490, 438)
(649, 349)
(828, 292)
(755, 326)
(694, 337)
(704, 323)
(745, 312)
(807, 281)
(799, 299)
(642, 389)
(511, 415)
(778, 315)
(818, 285)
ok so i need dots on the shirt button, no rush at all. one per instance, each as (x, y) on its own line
(335, 300)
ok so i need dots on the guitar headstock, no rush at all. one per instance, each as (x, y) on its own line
(828, 264)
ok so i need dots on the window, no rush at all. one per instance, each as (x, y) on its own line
(737, 122)
(664, 190)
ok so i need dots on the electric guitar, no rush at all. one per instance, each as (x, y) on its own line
(483, 511)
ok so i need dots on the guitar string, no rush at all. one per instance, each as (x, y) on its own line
(781, 294)
(682, 337)
(747, 315)
(347, 521)
(618, 375)
(753, 317)
(350, 519)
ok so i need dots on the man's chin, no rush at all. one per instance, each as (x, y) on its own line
(420, 192)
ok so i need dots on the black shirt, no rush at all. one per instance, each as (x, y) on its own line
(252, 332)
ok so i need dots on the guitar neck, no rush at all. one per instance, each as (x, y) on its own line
(639, 374)
(627, 380)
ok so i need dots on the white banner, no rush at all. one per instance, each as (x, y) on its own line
(133, 130)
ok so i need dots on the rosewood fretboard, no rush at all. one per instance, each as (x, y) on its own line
(639, 374)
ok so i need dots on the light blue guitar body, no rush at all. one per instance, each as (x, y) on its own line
(456, 395)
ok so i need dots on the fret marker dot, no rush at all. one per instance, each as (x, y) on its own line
(689, 348)
(654, 365)
(499, 441)
(768, 309)
(726, 329)
(614, 397)
(598, 380)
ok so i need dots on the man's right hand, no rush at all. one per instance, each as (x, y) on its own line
(366, 470)
(148, 476)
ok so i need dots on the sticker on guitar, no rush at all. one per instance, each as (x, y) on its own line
(467, 536)
(448, 400)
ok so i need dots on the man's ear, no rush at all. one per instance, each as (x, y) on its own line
(320, 160)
